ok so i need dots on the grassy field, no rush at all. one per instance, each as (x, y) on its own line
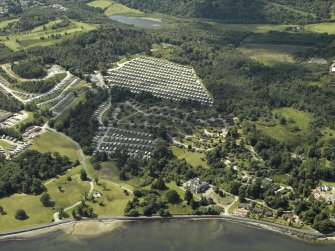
(257, 28)
(71, 192)
(55, 142)
(31, 204)
(194, 159)
(270, 54)
(321, 28)
(113, 198)
(24, 40)
(5, 145)
(4, 24)
(265, 28)
(285, 133)
(112, 8)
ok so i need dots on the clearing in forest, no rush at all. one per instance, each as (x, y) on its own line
(269, 54)
(287, 125)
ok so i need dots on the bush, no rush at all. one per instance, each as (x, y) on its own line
(21, 215)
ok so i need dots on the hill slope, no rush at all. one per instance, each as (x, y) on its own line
(240, 11)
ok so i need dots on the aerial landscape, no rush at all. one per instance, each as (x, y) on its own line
(167, 125)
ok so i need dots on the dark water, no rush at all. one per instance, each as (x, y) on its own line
(209, 235)
(136, 21)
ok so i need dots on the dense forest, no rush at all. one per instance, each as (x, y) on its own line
(26, 173)
(239, 11)
(30, 68)
(96, 49)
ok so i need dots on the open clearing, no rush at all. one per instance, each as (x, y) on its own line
(192, 158)
(28, 39)
(293, 132)
(322, 28)
(271, 54)
(257, 28)
(264, 28)
(112, 8)
(55, 142)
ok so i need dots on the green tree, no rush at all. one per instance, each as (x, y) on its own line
(172, 197)
(188, 196)
(21, 215)
(46, 200)
(159, 184)
(83, 175)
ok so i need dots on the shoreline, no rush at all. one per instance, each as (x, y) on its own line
(102, 225)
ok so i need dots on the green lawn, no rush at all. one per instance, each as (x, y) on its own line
(55, 142)
(72, 191)
(33, 207)
(24, 40)
(285, 133)
(192, 158)
(270, 54)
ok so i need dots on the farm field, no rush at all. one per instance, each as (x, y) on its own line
(192, 158)
(24, 40)
(55, 142)
(271, 54)
(293, 132)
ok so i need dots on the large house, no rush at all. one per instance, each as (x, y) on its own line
(196, 185)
